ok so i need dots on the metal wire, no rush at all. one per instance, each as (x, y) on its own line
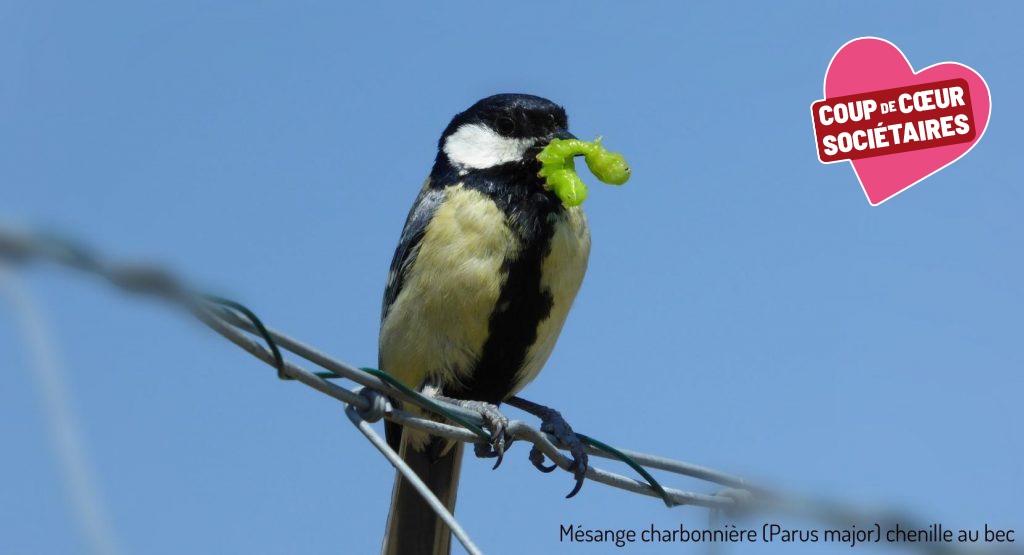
(411, 477)
(69, 447)
(736, 496)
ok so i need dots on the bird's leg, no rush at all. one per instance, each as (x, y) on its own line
(495, 421)
(553, 423)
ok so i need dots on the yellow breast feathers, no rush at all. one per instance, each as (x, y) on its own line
(439, 322)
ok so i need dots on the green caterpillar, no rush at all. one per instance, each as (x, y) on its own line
(559, 170)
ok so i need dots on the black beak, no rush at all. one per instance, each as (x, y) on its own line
(562, 134)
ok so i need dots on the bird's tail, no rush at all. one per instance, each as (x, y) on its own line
(413, 528)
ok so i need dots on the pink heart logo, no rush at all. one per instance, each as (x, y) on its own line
(872, 64)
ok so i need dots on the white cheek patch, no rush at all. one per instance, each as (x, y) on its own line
(475, 146)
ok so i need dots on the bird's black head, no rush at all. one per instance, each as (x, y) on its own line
(501, 130)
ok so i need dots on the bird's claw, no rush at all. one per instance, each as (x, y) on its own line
(537, 458)
(553, 423)
(496, 422)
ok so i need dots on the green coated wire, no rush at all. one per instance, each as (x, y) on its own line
(251, 316)
(79, 256)
(633, 464)
(427, 402)
(479, 431)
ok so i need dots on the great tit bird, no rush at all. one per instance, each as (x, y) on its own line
(487, 266)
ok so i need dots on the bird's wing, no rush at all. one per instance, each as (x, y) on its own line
(408, 246)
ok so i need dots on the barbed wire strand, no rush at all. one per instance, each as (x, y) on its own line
(737, 496)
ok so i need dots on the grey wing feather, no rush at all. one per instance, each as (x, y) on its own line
(408, 246)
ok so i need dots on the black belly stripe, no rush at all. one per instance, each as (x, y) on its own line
(522, 304)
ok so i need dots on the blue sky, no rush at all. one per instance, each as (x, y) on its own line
(745, 307)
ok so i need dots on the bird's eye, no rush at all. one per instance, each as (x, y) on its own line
(551, 119)
(505, 125)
